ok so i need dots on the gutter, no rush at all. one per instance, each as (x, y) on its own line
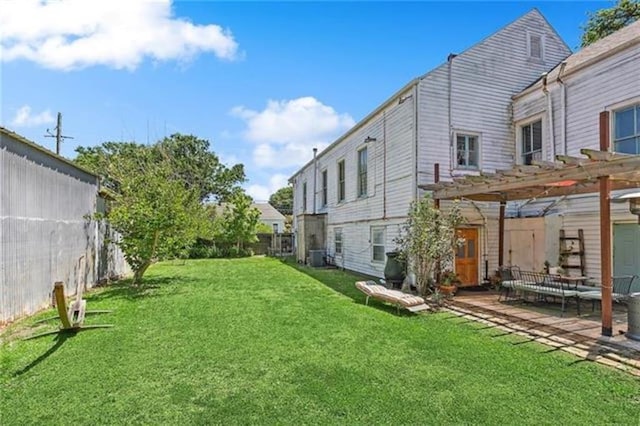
(547, 94)
(563, 108)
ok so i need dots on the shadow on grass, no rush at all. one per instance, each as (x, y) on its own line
(343, 282)
(59, 340)
(149, 288)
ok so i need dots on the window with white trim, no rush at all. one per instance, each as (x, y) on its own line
(337, 240)
(377, 243)
(362, 172)
(467, 151)
(626, 130)
(535, 44)
(341, 180)
(325, 184)
(304, 197)
(531, 142)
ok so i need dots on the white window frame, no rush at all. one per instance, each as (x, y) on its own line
(523, 123)
(361, 190)
(542, 44)
(476, 135)
(373, 230)
(341, 193)
(634, 102)
(337, 232)
(324, 181)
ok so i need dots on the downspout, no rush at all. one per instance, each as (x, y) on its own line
(547, 93)
(384, 165)
(449, 108)
(563, 107)
(315, 177)
(416, 141)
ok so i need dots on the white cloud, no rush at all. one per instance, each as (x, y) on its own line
(25, 118)
(285, 132)
(73, 34)
(263, 192)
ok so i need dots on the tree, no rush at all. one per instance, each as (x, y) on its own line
(239, 221)
(200, 168)
(156, 194)
(607, 21)
(282, 200)
(428, 239)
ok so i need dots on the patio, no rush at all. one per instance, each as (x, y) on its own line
(543, 322)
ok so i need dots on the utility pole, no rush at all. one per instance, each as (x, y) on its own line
(58, 134)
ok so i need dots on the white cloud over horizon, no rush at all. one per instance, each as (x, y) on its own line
(26, 118)
(262, 192)
(74, 34)
(286, 131)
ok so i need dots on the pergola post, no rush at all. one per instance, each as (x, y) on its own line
(605, 234)
(501, 234)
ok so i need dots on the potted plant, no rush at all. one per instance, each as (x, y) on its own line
(449, 281)
(428, 241)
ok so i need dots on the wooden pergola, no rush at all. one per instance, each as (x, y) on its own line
(598, 172)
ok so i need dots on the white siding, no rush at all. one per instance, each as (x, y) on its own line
(483, 80)
(390, 185)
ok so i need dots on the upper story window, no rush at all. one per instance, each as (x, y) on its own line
(531, 142)
(467, 151)
(362, 172)
(341, 179)
(304, 197)
(535, 44)
(626, 136)
(324, 187)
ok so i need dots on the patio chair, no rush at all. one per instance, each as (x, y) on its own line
(509, 275)
(622, 286)
(399, 299)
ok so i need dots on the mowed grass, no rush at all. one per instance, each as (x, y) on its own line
(256, 341)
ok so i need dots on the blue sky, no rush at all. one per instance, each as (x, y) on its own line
(264, 82)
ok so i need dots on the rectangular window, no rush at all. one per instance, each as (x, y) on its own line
(531, 142)
(341, 178)
(324, 187)
(535, 46)
(337, 238)
(626, 134)
(377, 243)
(467, 148)
(304, 197)
(362, 172)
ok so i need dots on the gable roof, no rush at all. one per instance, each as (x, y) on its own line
(268, 212)
(417, 80)
(622, 39)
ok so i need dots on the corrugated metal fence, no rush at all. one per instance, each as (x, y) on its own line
(46, 234)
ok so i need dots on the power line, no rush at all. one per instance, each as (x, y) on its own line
(59, 137)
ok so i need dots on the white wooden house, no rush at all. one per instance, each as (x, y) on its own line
(566, 104)
(353, 197)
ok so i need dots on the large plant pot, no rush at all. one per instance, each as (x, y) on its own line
(448, 290)
(394, 269)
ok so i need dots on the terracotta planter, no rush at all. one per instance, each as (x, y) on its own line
(447, 290)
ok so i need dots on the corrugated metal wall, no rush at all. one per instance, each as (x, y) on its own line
(45, 232)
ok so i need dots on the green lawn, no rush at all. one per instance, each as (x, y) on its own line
(257, 341)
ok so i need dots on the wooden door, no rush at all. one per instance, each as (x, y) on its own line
(467, 257)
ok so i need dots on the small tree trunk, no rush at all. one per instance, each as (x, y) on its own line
(138, 273)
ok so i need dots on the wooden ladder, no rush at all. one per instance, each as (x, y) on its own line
(569, 252)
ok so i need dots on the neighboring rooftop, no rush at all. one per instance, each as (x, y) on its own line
(268, 212)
